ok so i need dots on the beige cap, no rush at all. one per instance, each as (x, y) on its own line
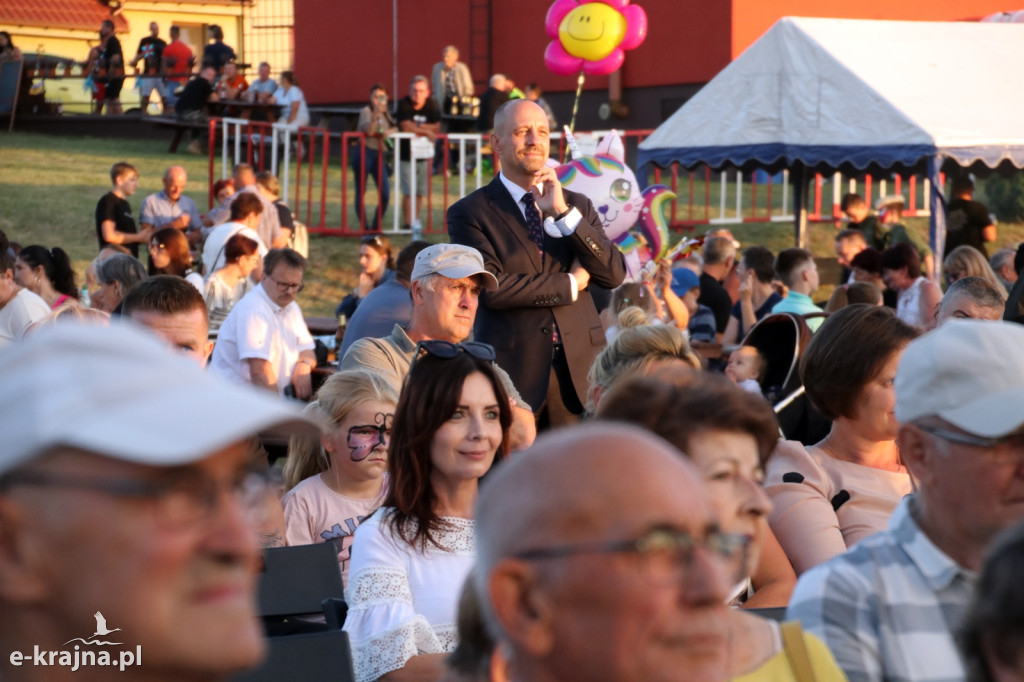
(454, 261)
(968, 372)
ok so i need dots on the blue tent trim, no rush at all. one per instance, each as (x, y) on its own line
(771, 154)
(834, 156)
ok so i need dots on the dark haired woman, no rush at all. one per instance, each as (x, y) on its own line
(47, 273)
(829, 496)
(169, 255)
(8, 52)
(289, 97)
(728, 433)
(918, 295)
(410, 559)
(227, 286)
(376, 124)
(376, 266)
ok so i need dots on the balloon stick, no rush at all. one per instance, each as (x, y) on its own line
(576, 102)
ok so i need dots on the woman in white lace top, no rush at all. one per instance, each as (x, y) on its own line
(410, 559)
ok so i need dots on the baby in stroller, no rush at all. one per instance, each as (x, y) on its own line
(746, 369)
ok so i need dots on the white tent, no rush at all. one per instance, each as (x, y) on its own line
(827, 94)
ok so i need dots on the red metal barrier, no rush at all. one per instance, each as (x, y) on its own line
(316, 171)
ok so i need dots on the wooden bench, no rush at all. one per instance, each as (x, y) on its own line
(179, 128)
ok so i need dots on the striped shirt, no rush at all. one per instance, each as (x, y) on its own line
(888, 608)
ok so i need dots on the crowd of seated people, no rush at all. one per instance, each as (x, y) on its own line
(650, 538)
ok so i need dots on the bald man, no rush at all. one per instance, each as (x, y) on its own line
(546, 246)
(170, 207)
(588, 574)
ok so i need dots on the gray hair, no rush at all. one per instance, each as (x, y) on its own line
(977, 289)
(419, 79)
(497, 78)
(429, 282)
(126, 270)
(718, 250)
(1001, 258)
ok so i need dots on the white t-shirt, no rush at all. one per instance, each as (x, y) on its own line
(314, 513)
(259, 328)
(196, 280)
(285, 100)
(213, 248)
(19, 313)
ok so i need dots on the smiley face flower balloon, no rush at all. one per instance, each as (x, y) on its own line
(592, 35)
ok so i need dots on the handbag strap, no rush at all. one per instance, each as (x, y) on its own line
(796, 651)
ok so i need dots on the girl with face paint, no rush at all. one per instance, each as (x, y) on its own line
(337, 480)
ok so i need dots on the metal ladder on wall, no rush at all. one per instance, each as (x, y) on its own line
(479, 52)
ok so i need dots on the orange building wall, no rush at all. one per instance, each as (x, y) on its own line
(751, 18)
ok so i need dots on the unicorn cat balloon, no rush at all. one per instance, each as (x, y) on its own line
(632, 220)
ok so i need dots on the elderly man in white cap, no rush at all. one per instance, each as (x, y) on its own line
(890, 607)
(125, 493)
(446, 283)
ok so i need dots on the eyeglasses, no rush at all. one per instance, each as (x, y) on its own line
(666, 554)
(179, 502)
(1014, 440)
(157, 247)
(373, 239)
(446, 350)
(285, 287)
(381, 98)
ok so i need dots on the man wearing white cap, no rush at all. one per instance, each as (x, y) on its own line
(890, 607)
(446, 283)
(124, 493)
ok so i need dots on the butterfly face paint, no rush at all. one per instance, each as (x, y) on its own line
(365, 438)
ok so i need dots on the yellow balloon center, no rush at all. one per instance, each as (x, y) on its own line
(592, 31)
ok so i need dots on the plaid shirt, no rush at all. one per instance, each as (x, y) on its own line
(888, 608)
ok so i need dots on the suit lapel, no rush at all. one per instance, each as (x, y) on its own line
(505, 209)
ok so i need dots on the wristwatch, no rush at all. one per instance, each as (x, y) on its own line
(563, 214)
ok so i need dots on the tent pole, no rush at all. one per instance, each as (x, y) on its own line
(799, 173)
(937, 207)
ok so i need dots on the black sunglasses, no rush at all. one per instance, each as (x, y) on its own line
(446, 350)
(373, 239)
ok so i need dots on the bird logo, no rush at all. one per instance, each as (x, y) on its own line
(101, 631)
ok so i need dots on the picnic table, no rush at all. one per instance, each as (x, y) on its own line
(349, 114)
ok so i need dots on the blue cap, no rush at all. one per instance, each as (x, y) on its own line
(684, 279)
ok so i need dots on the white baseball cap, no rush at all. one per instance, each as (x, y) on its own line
(454, 261)
(120, 392)
(968, 372)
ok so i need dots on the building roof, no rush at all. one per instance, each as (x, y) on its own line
(85, 15)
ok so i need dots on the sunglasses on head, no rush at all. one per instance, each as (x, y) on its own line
(374, 240)
(446, 350)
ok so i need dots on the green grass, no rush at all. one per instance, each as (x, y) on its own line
(49, 187)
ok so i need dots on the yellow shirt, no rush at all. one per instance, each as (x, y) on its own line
(778, 669)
